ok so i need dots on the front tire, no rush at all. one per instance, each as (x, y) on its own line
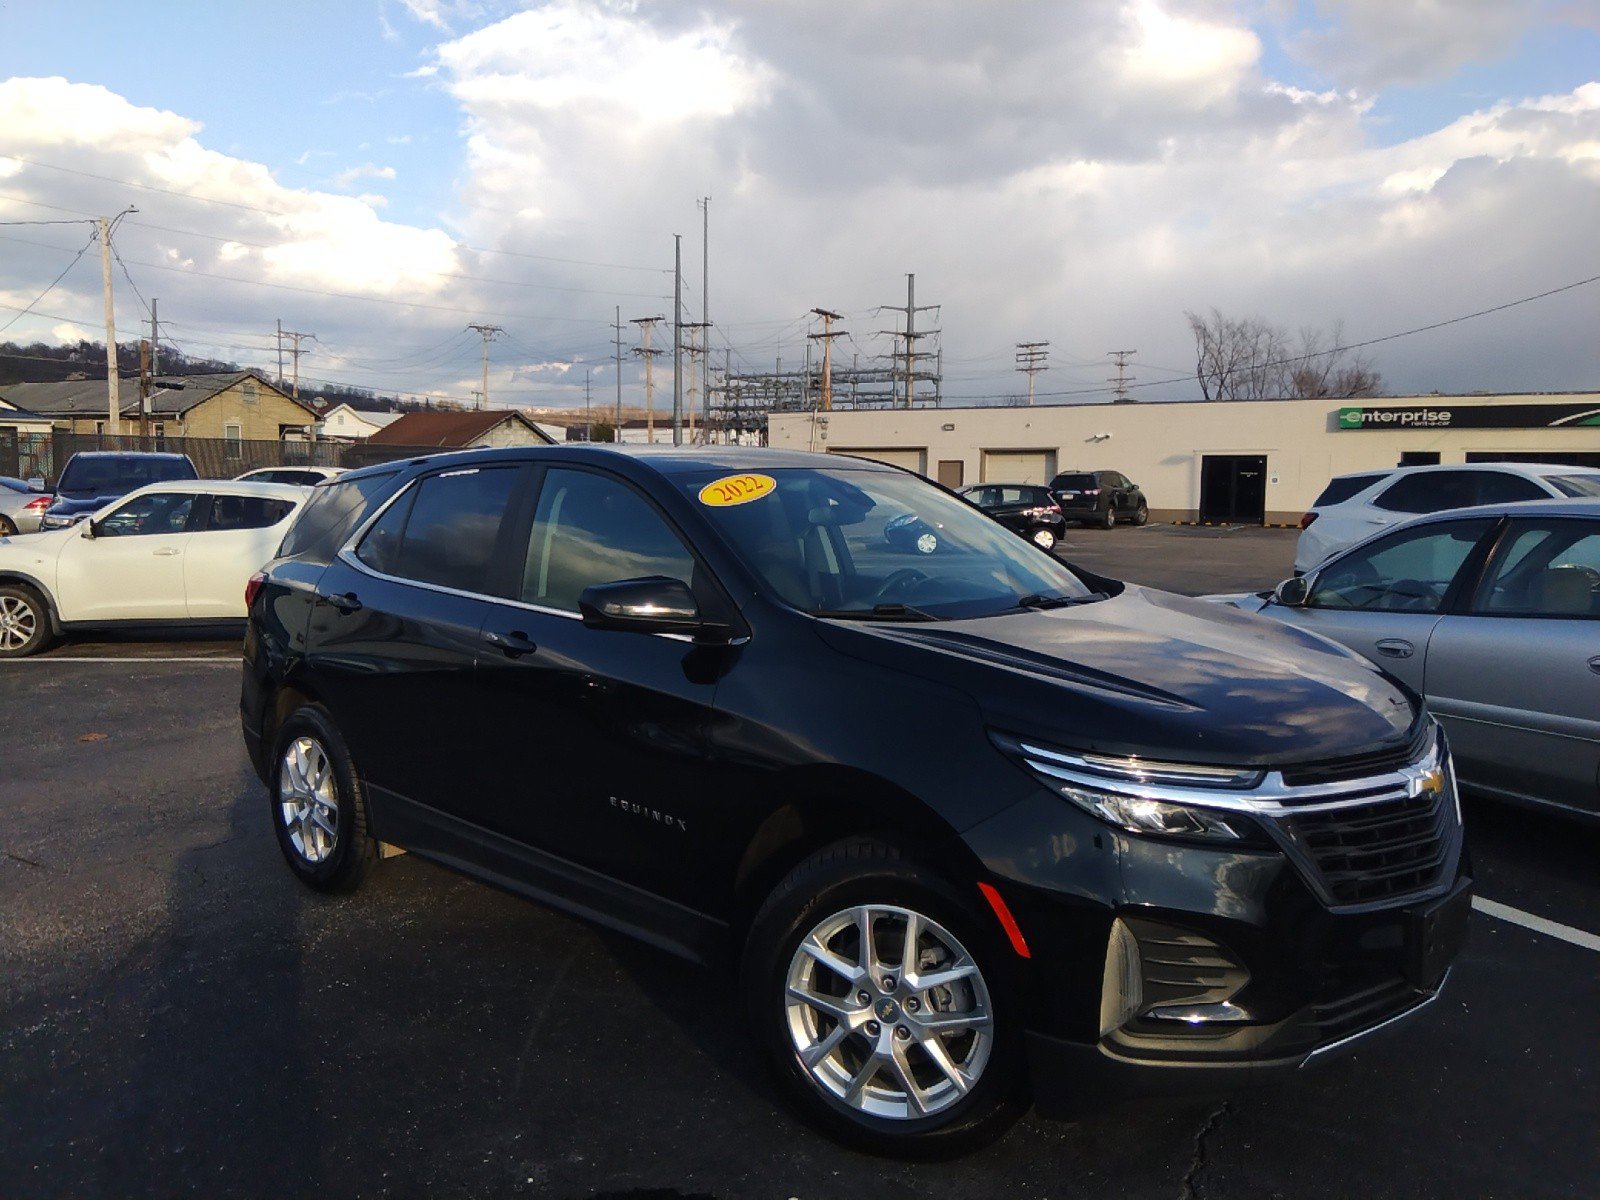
(1141, 515)
(912, 1053)
(24, 621)
(319, 811)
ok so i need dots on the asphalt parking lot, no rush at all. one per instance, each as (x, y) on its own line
(178, 1016)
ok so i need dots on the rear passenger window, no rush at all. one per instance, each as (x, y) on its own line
(445, 531)
(589, 529)
(1495, 488)
(330, 516)
(246, 512)
(1430, 492)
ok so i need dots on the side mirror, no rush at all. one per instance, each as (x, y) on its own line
(91, 529)
(655, 604)
(36, 484)
(1292, 593)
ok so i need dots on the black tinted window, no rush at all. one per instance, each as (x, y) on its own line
(332, 513)
(450, 529)
(1341, 489)
(1575, 485)
(589, 529)
(114, 474)
(1430, 491)
(1075, 483)
(247, 512)
(1495, 488)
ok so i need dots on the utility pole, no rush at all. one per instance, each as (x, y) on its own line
(699, 376)
(677, 339)
(826, 338)
(295, 353)
(155, 339)
(588, 410)
(1123, 379)
(705, 311)
(486, 332)
(144, 388)
(647, 324)
(617, 436)
(1032, 357)
(113, 399)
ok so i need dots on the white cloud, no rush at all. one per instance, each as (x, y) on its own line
(364, 171)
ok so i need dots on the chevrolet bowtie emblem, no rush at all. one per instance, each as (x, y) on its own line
(1431, 780)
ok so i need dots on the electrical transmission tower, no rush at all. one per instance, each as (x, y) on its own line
(910, 335)
(486, 332)
(1032, 357)
(1123, 379)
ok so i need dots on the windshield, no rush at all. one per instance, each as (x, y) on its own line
(85, 478)
(863, 543)
(1575, 485)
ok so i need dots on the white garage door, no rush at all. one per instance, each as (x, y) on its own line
(1019, 466)
(911, 460)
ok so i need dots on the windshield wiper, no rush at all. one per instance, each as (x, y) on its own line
(1036, 600)
(879, 612)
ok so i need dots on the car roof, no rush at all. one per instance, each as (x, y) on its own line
(131, 454)
(1523, 468)
(227, 487)
(1002, 483)
(662, 459)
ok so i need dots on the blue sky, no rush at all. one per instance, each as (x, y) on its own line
(1084, 173)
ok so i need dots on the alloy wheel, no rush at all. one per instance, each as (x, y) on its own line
(308, 799)
(1044, 539)
(888, 1012)
(18, 623)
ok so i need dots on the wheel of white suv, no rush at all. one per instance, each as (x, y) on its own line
(1044, 539)
(24, 621)
(318, 809)
(882, 1004)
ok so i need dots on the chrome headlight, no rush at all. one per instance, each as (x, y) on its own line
(1117, 790)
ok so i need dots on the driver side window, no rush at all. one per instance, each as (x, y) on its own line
(1408, 571)
(152, 513)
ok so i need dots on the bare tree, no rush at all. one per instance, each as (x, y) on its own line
(1252, 359)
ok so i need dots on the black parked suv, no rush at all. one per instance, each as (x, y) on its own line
(1023, 508)
(972, 823)
(1100, 498)
(92, 479)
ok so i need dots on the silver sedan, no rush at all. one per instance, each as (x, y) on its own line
(1493, 614)
(21, 506)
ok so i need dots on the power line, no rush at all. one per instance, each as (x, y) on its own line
(24, 312)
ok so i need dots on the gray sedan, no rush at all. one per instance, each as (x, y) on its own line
(21, 505)
(1494, 615)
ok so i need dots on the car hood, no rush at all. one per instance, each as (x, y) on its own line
(71, 506)
(1152, 674)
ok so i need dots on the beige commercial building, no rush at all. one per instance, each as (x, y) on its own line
(1237, 461)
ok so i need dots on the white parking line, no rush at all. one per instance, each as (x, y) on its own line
(1527, 920)
(64, 658)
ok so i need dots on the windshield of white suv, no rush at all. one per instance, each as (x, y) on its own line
(877, 544)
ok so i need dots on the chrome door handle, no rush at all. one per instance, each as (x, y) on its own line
(346, 604)
(166, 552)
(1396, 647)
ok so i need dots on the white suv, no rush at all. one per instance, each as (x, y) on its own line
(1354, 507)
(167, 555)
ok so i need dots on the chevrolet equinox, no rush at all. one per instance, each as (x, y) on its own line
(977, 827)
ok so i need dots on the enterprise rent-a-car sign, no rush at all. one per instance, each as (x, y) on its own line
(1475, 416)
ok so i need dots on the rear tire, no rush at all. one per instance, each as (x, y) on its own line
(318, 809)
(1045, 539)
(1109, 521)
(7, 527)
(24, 621)
(880, 1078)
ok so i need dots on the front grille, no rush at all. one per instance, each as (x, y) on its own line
(1390, 848)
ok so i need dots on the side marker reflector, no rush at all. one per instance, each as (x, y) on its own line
(1007, 921)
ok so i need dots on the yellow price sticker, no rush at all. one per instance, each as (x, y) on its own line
(736, 489)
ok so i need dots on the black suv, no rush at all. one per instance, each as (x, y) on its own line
(969, 820)
(1024, 508)
(1099, 498)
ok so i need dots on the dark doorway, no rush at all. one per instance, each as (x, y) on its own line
(1419, 458)
(952, 472)
(1233, 488)
(1557, 457)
